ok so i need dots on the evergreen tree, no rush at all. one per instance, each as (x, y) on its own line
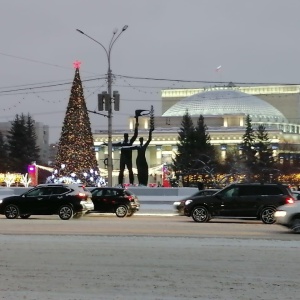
(76, 147)
(186, 144)
(248, 146)
(265, 152)
(195, 154)
(232, 165)
(203, 147)
(21, 144)
(32, 150)
(3, 155)
(203, 153)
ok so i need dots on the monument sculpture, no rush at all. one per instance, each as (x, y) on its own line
(141, 162)
(127, 146)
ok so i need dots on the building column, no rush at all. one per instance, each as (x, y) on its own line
(158, 154)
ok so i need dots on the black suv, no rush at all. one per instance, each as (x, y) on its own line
(120, 201)
(240, 200)
(66, 200)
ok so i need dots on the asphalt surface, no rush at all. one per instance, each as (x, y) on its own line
(158, 208)
(146, 258)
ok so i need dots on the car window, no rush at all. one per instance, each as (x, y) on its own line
(46, 191)
(35, 192)
(253, 190)
(58, 190)
(107, 193)
(271, 190)
(98, 193)
(111, 193)
(250, 190)
(231, 192)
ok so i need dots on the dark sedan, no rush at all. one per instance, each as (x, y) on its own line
(120, 201)
(65, 200)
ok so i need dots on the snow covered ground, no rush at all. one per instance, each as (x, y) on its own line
(74, 267)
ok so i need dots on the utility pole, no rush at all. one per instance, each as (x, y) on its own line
(109, 99)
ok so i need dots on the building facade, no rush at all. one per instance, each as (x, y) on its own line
(224, 110)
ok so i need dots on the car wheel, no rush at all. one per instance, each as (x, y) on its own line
(295, 226)
(11, 211)
(200, 214)
(267, 215)
(66, 212)
(121, 211)
(24, 216)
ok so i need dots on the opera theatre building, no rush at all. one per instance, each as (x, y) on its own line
(224, 109)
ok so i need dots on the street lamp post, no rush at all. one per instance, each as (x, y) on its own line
(109, 91)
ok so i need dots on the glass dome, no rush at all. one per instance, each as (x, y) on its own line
(226, 101)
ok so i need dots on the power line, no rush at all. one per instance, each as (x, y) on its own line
(46, 86)
(202, 81)
(32, 87)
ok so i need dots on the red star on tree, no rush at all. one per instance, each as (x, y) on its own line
(76, 64)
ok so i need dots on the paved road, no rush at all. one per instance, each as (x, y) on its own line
(146, 258)
(157, 209)
(145, 225)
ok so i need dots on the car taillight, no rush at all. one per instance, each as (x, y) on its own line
(289, 200)
(130, 198)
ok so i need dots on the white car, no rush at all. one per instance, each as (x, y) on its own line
(289, 216)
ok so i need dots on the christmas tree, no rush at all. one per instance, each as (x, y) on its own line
(76, 160)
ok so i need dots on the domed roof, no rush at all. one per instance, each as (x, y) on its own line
(226, 101)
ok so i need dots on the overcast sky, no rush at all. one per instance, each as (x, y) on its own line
(180, 41)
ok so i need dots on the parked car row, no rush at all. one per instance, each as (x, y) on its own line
(267, 202)
(68, 201)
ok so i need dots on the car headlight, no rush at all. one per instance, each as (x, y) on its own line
(176, 203)
(1, 201)
(280, 213)
(187, 202)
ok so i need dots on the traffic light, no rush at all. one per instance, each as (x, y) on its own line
(116, 97)
(107, 101)
(100, 102)
(103, 101)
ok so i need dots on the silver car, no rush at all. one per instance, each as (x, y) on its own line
(288, 215)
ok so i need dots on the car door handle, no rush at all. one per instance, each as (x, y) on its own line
(40, 198)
